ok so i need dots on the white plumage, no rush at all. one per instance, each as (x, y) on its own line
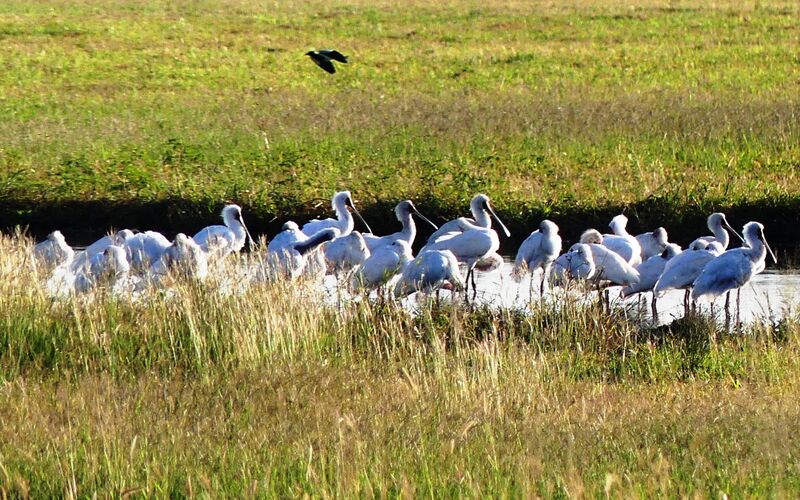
(576, 264)
(218, 241)
(538, 251)
(480, 218)
(343, 221)
(183, 258)
(382, 265)
(650, 270)
(717, 224)
(103, 269)
(430, 271)
(610, 266)
(346, 252)
(653, 242)
(623, 243)
(53, 252)
(144, 249)
(681, 271)
(734, 268)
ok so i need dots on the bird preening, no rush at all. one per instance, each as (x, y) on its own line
(325, 58)
(346, 248)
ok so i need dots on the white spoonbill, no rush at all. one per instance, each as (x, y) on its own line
(717, 223)
(591, 236)
(290, 235)
(649, 272)
(403, 211)
(734, 268)
(382, 265)
(144, 249)
(343, 221)
(481, 211)
(115, 238)
(576, 264)
(222, 240)
(103, 269)
(622, 242)
(681, 270)
(653, 242)
(53, 252)
(291, 260)
(346, 252)
(430, 271)
(471, 244)
(538, 251)
(184, 258)
(610, 266)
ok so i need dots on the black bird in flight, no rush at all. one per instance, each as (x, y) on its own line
(324, 59)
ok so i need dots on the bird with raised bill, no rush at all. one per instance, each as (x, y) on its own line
(324, 58)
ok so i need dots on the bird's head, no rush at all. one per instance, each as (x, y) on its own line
(548, 227)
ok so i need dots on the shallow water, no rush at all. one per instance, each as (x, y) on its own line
(769, 296)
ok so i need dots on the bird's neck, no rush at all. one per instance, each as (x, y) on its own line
(482, 218)
(722, 235)
(345, 218)
(409, 231)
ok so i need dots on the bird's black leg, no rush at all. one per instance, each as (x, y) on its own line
(686, 301)
(738, 310)
(727, 310)
(474, 286)
(541, 287)
(655, 309)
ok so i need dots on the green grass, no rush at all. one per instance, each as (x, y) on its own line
(274, 393)
(157, 112)
(545, 108)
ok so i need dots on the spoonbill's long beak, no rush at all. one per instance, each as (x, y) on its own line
(249, 238)
(728, 226)
(494, 215)
(425, 219)
(771, 254)
(355, 211)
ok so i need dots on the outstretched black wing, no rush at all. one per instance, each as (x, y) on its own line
(323, 62)
(335, 55)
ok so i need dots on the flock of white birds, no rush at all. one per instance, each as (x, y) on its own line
(642, 263)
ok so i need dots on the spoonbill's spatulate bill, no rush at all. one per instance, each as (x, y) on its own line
(718, 223)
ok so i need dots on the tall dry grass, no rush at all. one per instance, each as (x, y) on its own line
(276, 391)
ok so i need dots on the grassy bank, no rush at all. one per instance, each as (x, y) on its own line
(272, 392)
(549, 109)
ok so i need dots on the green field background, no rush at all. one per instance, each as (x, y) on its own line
(573, 110)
